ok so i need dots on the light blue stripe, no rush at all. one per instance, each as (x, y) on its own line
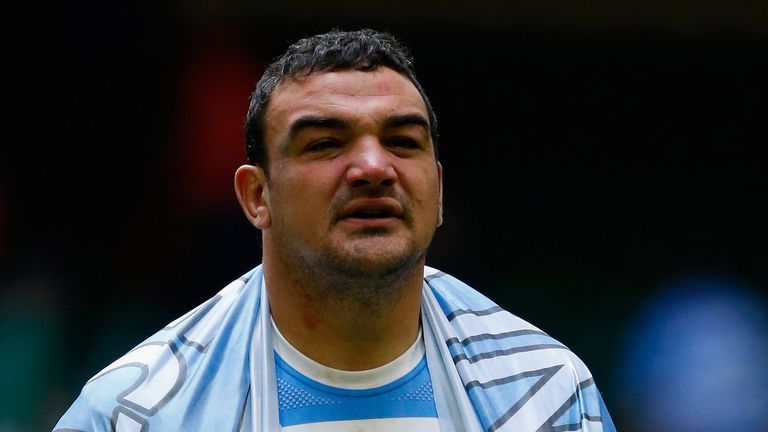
(494, 402)
(590, 400)
(489, 345)
(585, 405)
(308, 401)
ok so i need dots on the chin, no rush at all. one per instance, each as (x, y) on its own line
(376, 259)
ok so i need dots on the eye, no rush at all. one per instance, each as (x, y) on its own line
(323, 145)
(403, 142)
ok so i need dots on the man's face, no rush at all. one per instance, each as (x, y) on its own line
(353, 182)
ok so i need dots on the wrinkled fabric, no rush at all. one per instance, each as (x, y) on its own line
(213, 370)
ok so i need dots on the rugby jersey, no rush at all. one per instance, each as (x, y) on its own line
(394, 397)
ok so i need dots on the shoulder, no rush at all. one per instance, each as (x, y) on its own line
(483, 330)
(513, 371)
(137, 385)
(470, 311)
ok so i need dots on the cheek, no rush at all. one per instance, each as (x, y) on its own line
(428, 183)
(302, 196)
(425, 196)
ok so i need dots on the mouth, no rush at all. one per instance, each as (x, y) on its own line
(369, 214)
(372, 210)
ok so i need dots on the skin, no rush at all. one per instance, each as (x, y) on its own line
(352, 200)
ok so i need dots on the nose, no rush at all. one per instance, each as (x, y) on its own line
(371, 165)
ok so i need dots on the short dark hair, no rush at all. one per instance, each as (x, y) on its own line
(364, 50)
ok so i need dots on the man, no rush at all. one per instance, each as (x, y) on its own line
(343, 327)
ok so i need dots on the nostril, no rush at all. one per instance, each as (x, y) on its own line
(380, 174)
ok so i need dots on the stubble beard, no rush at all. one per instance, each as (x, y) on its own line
(368, 272)
(370, 280)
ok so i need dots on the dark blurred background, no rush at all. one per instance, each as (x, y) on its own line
(604, 179)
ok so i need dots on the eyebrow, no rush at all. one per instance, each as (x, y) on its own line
(308, 122)
(325, 122)
(407, 120)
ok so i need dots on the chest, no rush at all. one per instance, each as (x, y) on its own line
(402, 405)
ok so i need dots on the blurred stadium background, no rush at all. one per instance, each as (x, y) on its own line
(604, 179)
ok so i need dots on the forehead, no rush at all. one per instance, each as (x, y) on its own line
(347, 93)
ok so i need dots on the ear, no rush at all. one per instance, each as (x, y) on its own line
(253, 193)
(440, 194)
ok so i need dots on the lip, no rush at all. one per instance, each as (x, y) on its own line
(384, 211)
(386, 207)
(382, 223)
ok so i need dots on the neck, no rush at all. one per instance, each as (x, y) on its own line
(342, 321)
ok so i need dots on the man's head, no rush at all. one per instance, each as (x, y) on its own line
(354, 188)
(364, 50)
